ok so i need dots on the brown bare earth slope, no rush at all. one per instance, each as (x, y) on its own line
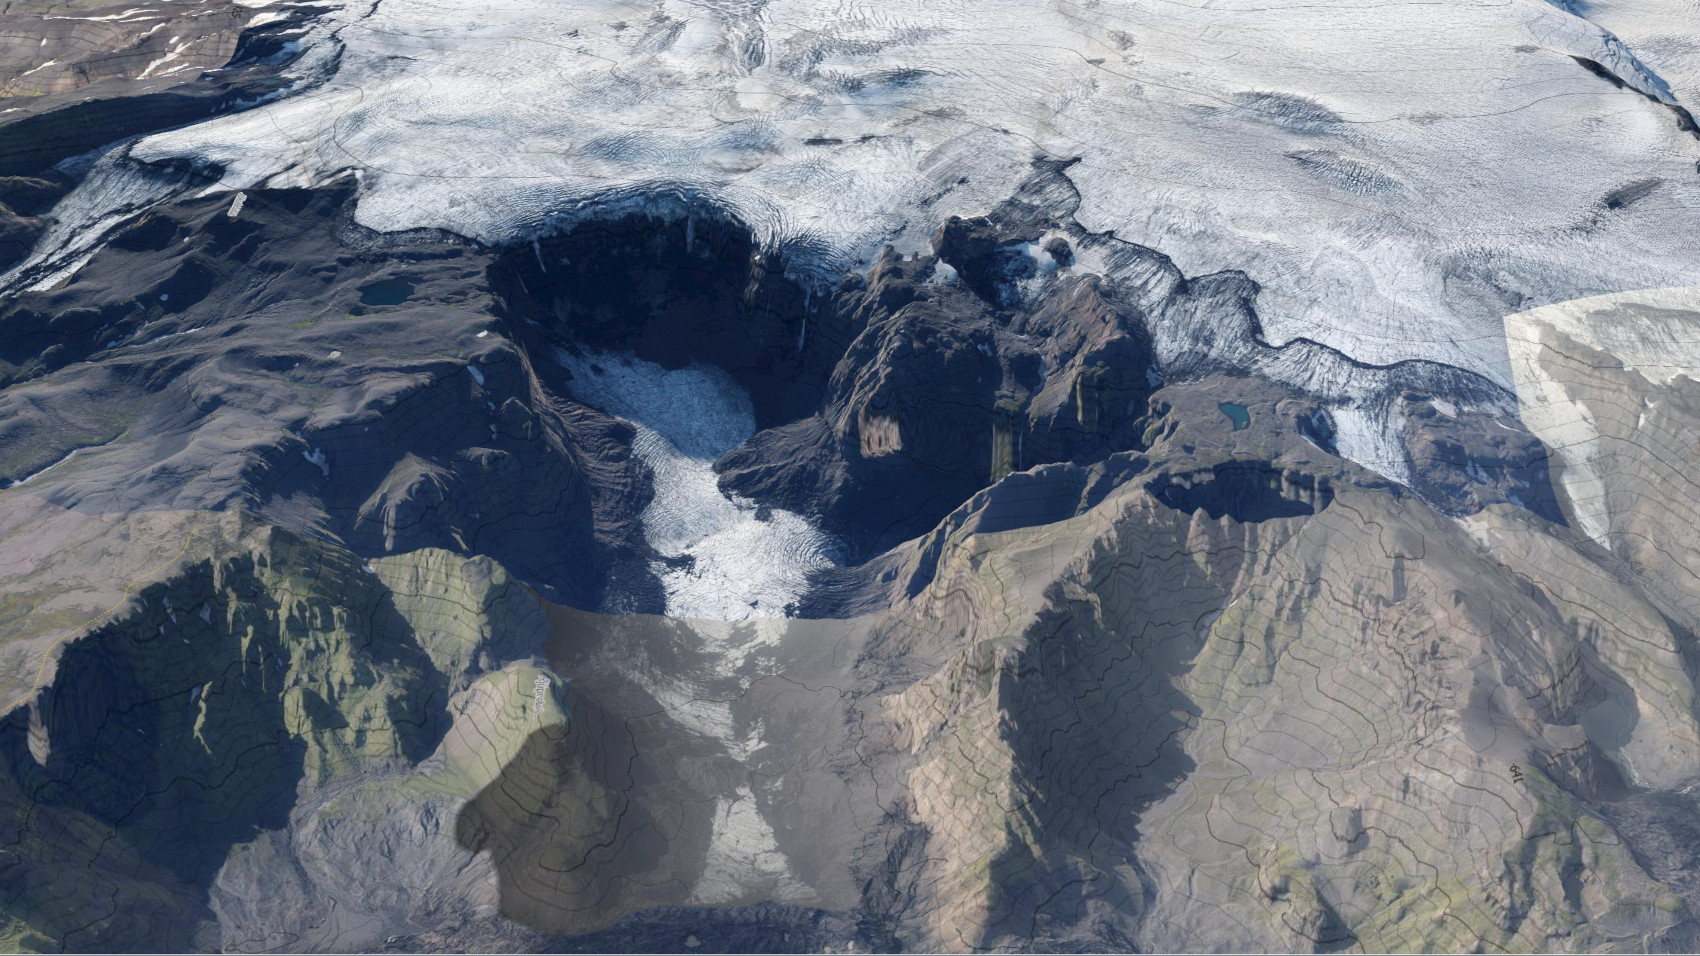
(57, 47)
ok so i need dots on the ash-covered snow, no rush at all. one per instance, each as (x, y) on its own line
(742, 855)
(744, 561)
(1396, 176)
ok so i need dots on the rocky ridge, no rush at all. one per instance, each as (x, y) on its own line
(1160, 656)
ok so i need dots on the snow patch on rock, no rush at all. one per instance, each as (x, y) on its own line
(1654, 333)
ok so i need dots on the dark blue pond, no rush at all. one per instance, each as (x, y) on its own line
(386, 292)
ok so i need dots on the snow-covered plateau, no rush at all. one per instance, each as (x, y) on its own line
(1395, 176)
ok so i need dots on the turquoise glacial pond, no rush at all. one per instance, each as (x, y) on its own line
(1236, 414)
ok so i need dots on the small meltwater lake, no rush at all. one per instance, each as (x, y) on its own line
(386, 292)
(1236, 414)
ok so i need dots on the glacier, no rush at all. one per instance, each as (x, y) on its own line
(1393, 191)
(738, 561)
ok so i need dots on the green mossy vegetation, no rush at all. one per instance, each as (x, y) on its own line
(274, 666)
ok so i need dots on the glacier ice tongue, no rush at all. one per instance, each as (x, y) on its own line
(745, 562)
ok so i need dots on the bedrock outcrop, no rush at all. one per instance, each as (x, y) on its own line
(1298, 710)
(1146, 632)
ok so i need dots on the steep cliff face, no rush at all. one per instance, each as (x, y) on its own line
(1125, 647)
(276, 361)
(1608, 383)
